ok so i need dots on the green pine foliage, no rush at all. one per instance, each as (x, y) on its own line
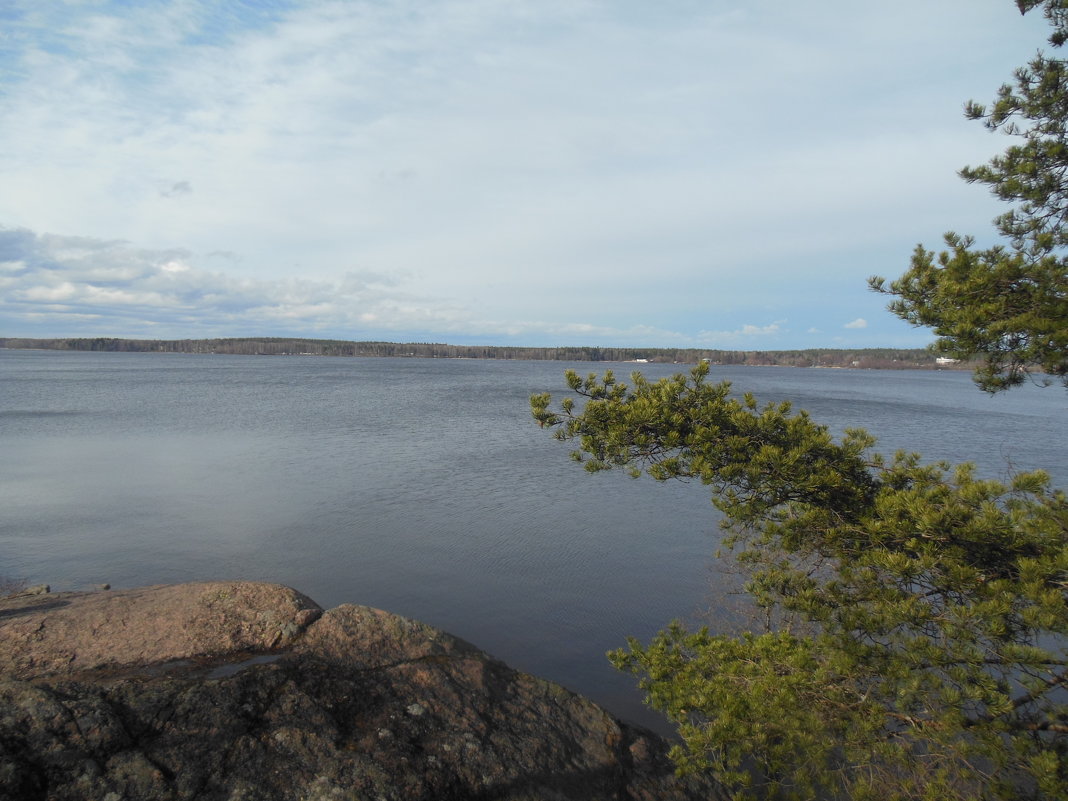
(914, 642)
(1007, 305)
(921, 612)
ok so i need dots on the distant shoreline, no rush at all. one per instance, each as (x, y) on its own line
(858, 358)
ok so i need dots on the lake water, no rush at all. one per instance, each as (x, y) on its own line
(418, 486)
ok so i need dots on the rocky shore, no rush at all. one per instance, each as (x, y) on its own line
(242, 691)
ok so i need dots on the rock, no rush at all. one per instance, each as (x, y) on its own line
(37, 589)
(360, 704)
(85, 631)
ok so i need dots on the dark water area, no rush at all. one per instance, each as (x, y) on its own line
(419, 486)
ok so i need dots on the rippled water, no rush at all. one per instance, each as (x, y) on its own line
(419, 486)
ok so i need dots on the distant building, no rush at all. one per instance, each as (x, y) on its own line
(946, 360)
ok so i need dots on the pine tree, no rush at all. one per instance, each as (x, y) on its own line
(1008, 305)
(916, 616)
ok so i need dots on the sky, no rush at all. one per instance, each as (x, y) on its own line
(684, 173)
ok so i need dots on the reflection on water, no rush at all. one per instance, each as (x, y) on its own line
(418, 486)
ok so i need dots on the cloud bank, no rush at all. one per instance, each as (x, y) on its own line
(50, 278)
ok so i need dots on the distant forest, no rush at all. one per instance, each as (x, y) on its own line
(900, 358)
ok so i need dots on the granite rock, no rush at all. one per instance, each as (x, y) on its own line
(239, 690)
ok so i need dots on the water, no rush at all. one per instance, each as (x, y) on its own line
(418, 486)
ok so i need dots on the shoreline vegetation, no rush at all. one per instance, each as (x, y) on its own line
(859, 358)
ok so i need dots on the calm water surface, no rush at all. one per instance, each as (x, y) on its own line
(419, 486)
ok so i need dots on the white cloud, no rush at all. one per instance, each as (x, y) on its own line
(733, 338)
(760, 330)
(177, 189)
(498, 161)
(81, 276)
(860, 322)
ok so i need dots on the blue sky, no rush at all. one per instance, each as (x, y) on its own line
(536, 172)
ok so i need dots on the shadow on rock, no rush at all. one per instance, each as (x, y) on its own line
(362, 705)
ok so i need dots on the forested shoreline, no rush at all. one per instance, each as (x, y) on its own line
(871, 358)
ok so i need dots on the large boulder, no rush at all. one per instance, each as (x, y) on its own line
(249, 691)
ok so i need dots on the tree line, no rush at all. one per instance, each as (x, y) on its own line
(869, 358)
